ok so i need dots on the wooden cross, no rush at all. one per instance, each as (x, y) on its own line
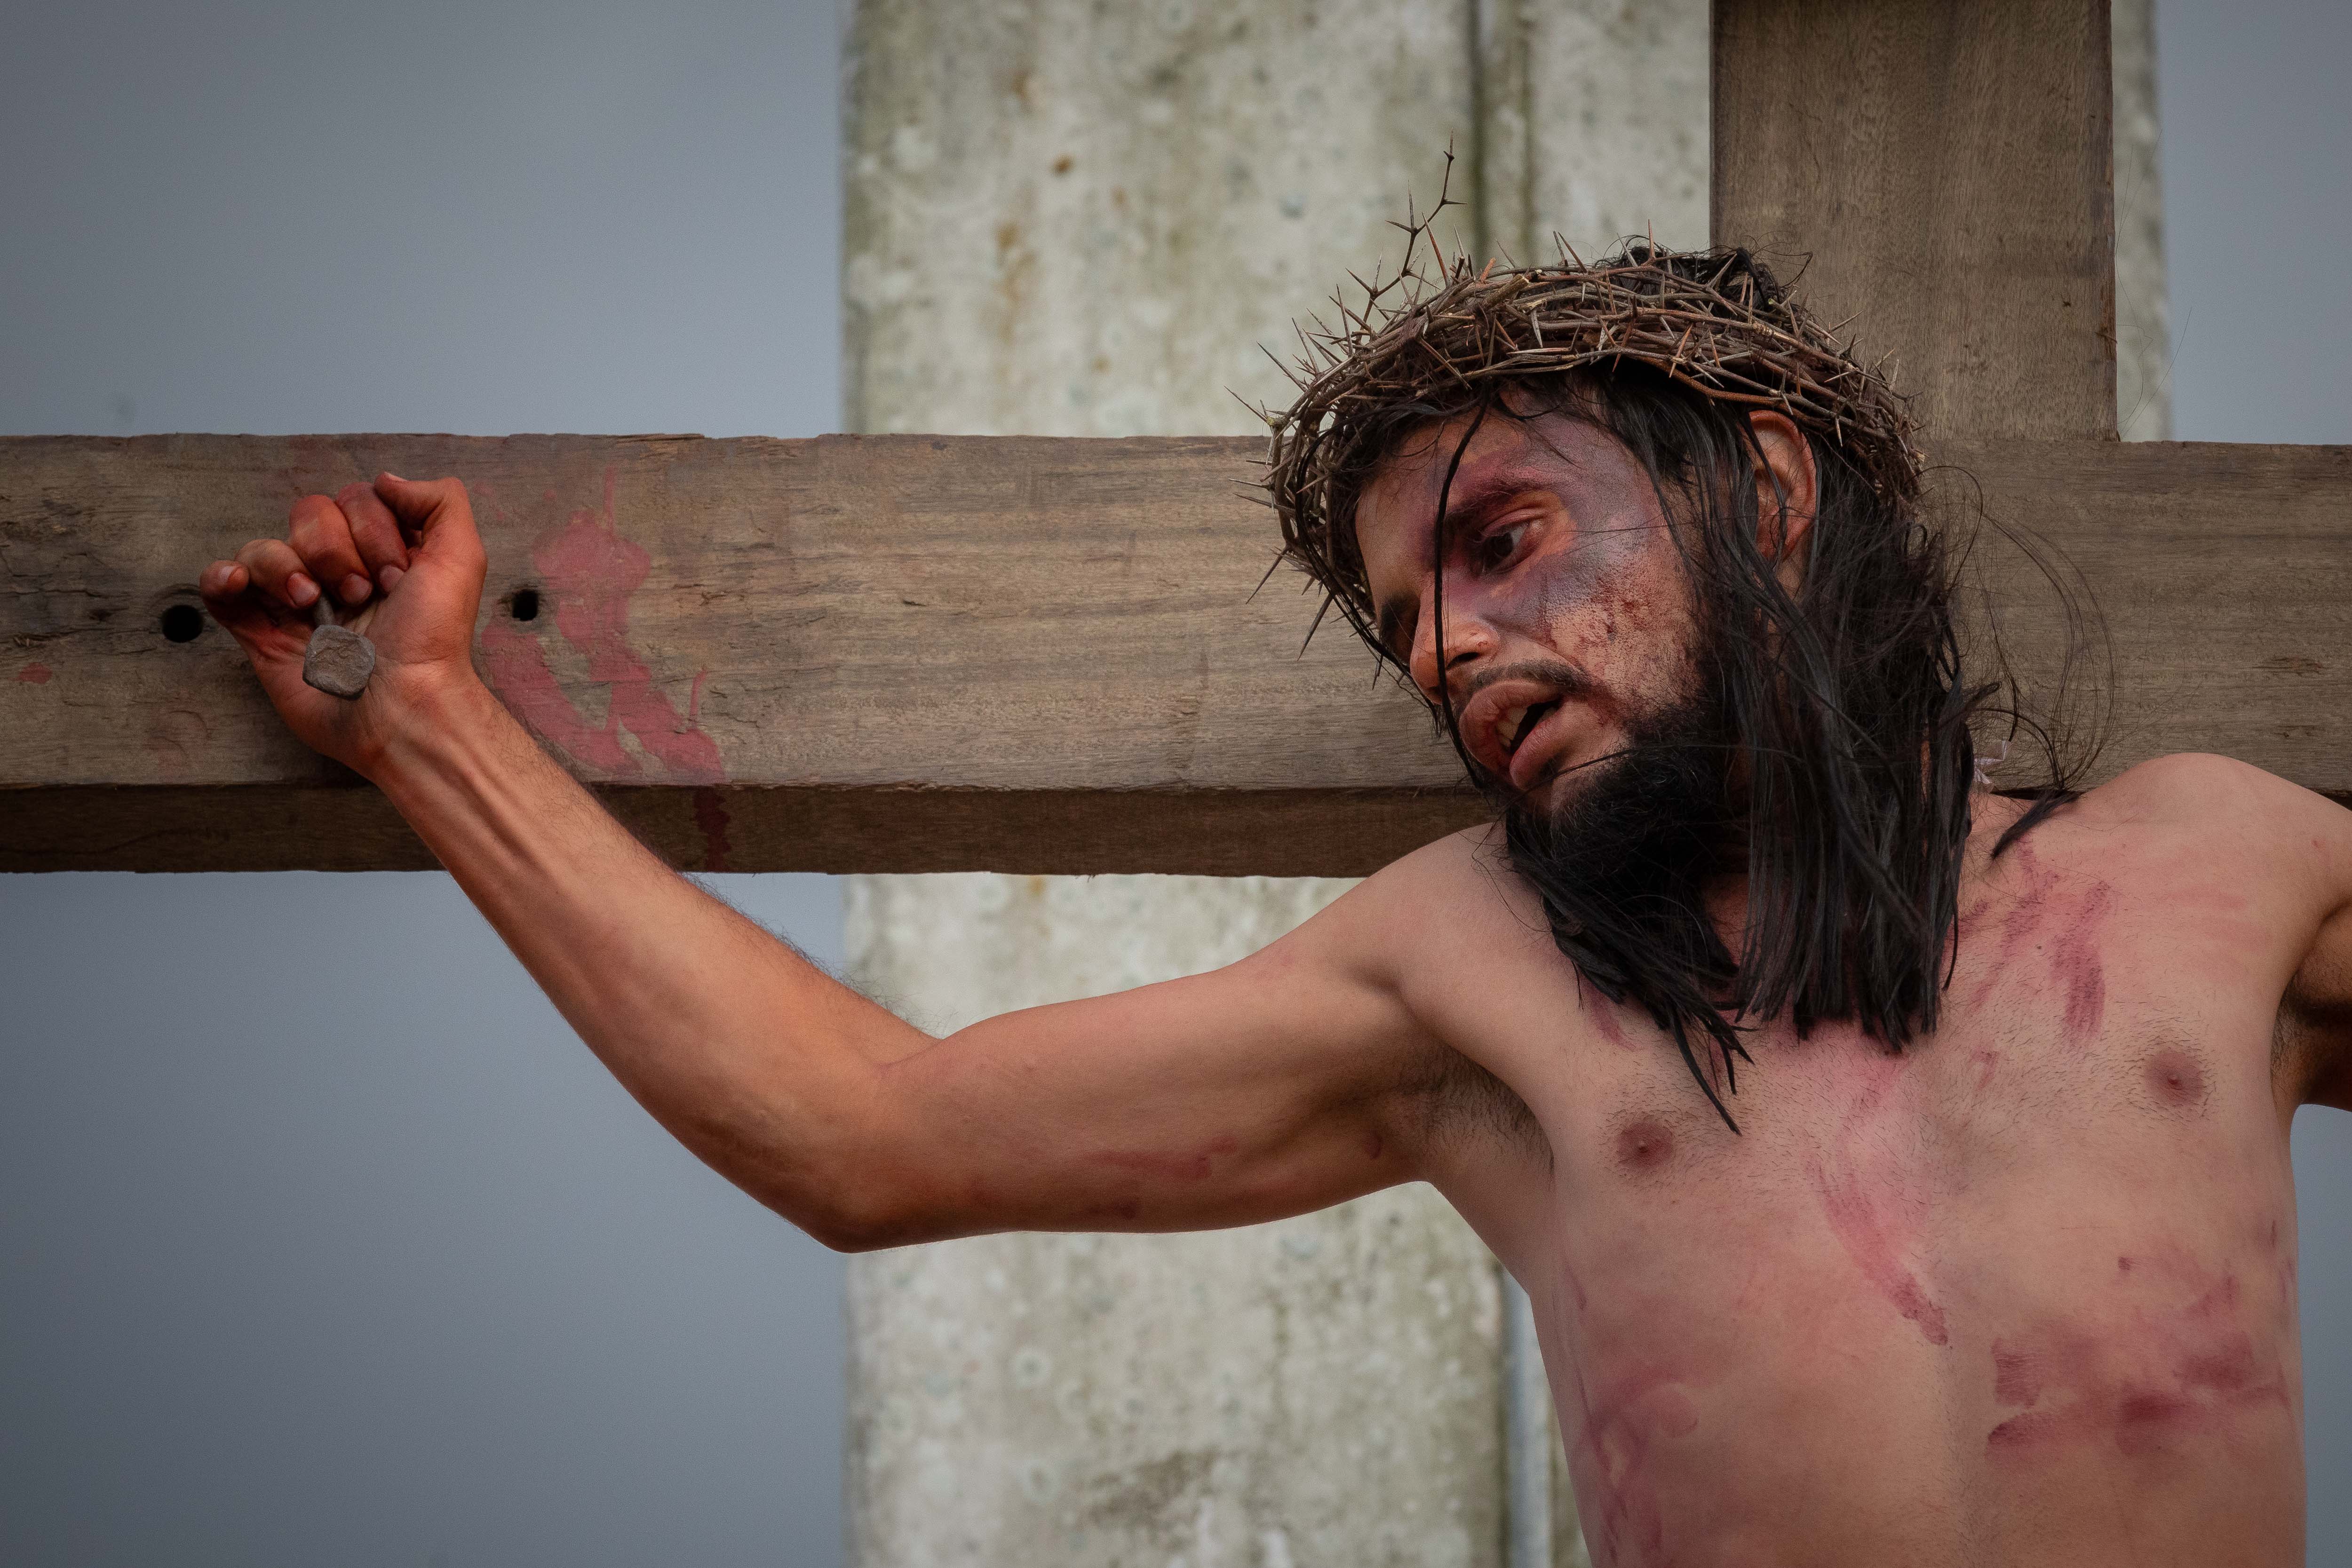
(903, 653)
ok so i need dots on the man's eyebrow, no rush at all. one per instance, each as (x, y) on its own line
(1475, 494)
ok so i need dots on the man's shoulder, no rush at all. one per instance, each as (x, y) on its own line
(2219, 798)
(1462, 870)
(1448, 897)
(2228, 817)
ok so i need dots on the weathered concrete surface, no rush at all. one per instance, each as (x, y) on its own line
(1596, 125)
(1069, 218)
(1318, 1391)
(2143, 313)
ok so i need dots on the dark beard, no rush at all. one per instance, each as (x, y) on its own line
(1623, 865)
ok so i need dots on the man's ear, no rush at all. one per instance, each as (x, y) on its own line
(1785, 491)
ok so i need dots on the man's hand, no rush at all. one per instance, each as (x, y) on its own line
(402, 564)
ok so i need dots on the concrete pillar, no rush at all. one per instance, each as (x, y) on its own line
(1595, 124)
(1067, 218)
(2143, 313)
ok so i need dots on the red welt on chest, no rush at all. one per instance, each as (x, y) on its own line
(2049, 939)
(2175, 1361)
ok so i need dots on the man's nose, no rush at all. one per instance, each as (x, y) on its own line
(1469, 639)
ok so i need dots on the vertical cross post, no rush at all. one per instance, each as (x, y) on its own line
(1940, 171)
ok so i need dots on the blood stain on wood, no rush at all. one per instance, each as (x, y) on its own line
(593, 571)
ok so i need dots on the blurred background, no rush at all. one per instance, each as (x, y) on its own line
(375, 1264)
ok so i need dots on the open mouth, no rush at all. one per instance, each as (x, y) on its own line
(1518, 723)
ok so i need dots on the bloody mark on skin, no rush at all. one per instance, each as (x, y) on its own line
(1575, 1286)
(1373, 1145)
(2144, 1381)
(591, 573)
(1850, 1201)
(35, 674)
(2285, 1271)
(1870, 1242)
(1603, 1014)
(2017, 1375)
(710, 815)
(2063, 924)
(1613, 1456)
(2076, 957)
(1166, 1167)
(1985, 1062)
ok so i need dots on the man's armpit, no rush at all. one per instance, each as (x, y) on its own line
(2310, 1045)
(1461, 1102)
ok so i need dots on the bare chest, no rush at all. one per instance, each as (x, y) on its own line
(2049, 1247)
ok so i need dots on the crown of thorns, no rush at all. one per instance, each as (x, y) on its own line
(1438, 334)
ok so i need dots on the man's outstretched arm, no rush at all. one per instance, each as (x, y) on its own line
(1287, 1082)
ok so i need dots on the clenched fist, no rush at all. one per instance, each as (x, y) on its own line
(400, 562)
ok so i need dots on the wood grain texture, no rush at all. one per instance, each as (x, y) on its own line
(1940, 170)
(2224, 573)
(976, 629)
(911, 653)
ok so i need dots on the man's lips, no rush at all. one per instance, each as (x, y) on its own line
(1514, 728)
(1539, 743)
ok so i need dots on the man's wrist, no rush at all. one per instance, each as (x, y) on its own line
(427, 715)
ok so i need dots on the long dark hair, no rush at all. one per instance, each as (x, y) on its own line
(1838, 766)
(1830, 748)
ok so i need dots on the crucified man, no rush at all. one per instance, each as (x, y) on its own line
(1898, 1166)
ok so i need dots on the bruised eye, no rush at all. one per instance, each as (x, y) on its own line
(1496, 548)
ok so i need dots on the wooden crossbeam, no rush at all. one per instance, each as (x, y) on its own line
(870, 654)
(916, 654)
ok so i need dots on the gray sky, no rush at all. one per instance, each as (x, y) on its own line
(2258, 208)
(2258, 197)
(378, 1266)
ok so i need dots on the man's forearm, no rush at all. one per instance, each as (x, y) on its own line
(756, 1059)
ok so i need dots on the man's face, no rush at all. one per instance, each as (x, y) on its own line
(1569, 623)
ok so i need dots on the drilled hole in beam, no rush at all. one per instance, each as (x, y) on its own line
(181, 623)
(524, 605)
